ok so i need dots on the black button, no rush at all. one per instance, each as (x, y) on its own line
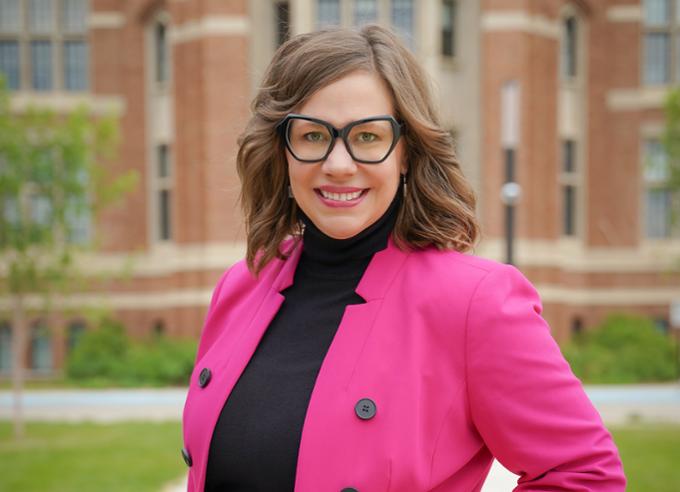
(365, 409)
(204, 377)
(349, 489)
(186, 456)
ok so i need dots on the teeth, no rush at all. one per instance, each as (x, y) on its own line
(341, 197)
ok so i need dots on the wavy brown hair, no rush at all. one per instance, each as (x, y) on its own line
(439, 207)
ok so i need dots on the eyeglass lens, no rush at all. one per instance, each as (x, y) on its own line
(369, 141)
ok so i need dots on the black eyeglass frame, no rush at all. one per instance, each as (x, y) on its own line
(283, 126)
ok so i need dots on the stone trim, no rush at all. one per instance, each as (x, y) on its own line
(226, 25)
(520, 21)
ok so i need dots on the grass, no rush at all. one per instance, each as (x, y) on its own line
(62, 457)
(133, 457)
(61, 383)
(650, 454)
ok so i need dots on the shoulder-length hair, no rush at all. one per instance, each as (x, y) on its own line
(439, 206)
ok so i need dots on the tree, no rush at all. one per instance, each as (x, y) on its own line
(52, 181)
(671, 139)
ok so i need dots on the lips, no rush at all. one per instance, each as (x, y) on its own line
(341, 196)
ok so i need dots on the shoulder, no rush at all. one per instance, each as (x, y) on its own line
(239, 278)
(463, 267)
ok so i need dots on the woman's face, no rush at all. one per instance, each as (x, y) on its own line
(327, 191)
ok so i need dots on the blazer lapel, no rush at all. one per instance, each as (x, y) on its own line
(329, 396)
(230, 354)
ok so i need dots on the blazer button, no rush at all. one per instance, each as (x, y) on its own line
(365, 409)
(186, 456)
(204, 377)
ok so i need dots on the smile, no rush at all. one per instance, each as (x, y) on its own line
(341, 197)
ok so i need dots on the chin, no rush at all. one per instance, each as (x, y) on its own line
(342, 232)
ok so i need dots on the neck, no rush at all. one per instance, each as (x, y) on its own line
(321, 248)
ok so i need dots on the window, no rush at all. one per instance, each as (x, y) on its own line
(158, 329)
(658, 197)
(49, 39)
(75, 332)
(41, 65)
(576, 326)
(399, 14)
(161, 52)
(9, 63)
(569, 47)
(448, 28)
(282, 13)
(74, 16)
(5, 347)
(75, 66)
(569, 183)
(164, 193)
(365, 12)
(41, 347)
(402, 19)
(10, 16)
(328, 13)
(661, 42)
(40, 16)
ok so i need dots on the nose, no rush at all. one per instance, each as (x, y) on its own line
(339, 161)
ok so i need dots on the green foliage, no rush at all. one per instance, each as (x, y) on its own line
(106, 356)
(53, 177)
(100, 353)
(671, 137)
(624, 349)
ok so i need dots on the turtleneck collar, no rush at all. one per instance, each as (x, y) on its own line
(324, 252)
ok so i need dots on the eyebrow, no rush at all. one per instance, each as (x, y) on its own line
(343, 125)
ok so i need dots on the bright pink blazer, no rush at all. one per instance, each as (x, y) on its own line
(453, 351)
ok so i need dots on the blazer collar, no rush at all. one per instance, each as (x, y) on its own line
(373, 284)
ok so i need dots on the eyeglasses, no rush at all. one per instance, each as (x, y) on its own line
(368, 140)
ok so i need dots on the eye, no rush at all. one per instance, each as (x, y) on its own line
(366, 137)
(314, 137)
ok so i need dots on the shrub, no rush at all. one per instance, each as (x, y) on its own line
(623, 349)
(106, 356)
(99, 353)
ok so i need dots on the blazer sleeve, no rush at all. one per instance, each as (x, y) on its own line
(529, 408)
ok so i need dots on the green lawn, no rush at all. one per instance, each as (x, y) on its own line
(133, 457)
(126, 457)
(651, 456)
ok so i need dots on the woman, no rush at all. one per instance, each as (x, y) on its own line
(358, 347)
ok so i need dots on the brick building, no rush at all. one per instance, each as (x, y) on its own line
(562, 96)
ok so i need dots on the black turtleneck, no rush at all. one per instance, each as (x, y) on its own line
(254, 447)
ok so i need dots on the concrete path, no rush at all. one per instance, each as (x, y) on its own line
(617, 405)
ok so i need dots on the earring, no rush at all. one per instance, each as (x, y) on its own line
(403, 182)
(290, 192)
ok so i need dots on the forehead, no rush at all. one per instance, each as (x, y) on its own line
(352, 97)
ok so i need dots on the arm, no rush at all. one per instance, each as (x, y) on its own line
(526, 403)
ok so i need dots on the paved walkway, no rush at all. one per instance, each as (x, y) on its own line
(617, 405)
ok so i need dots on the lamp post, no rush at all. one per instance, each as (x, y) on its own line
(510, 191)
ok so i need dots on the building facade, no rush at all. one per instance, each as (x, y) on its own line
(563, 97)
